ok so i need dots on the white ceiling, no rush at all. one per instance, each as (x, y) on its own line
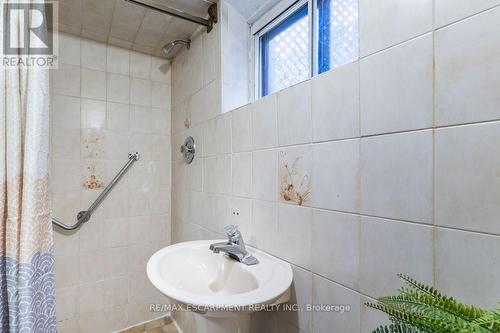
(251, 10)
(127, 25)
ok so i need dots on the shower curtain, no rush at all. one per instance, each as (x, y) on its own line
(27, 302)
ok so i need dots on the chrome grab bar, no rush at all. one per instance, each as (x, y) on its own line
(85, 215)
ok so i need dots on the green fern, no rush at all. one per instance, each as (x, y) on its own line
(422, 309)
(396, 328)
(490, 319)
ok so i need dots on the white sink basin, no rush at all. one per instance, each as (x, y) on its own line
(192, 274)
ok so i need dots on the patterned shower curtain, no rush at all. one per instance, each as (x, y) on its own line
(27, 302)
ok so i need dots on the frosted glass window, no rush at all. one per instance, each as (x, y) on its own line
(338, 40)
(285, 53)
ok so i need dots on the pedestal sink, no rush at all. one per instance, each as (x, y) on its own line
(219, 290)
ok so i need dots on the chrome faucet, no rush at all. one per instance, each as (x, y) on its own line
(235, 246)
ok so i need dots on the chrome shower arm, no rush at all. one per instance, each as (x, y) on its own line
(85, 215)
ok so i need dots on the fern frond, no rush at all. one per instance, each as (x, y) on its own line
(415, 285)
(418, 321)
(425, 310)
(442, 306)
(397, 328)
(489, 320)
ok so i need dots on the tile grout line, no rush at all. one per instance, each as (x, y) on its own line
(434, 229)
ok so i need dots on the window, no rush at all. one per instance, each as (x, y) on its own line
(285, 55)
(337, 33)
(285, 52)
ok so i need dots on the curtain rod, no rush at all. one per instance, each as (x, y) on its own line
(209, 23)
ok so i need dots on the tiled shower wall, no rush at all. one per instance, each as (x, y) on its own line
(390, 164)
(106, 102)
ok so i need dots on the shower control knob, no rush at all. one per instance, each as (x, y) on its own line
(188, 149)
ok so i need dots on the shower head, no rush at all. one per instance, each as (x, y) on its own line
(170, 45)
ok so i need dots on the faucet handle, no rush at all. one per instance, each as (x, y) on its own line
(230, 230)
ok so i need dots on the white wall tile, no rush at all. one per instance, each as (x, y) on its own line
(117, 116)
(392, 247)
(241, 215)
(336, 236)
(65, 112)
(335, 178)
(118, 88)
(449, 11)
(294, 114)
(223, 174)
(264, 225)
(335, 103)
(242, 129)
(93, 113)
(264, 175)
(140, 92)
(117, 145)
(161, 124)
(181, 117)
(396, 176)
(265, 122)
(327, 292)
(209, 174)
(67, 271)
(93, 55)
(468, 70)
(140, 65)
(65, 174)
(223, 133)
(294, 230)
(210, 137)
(196, 174)
(140, 119)
(205, 104)
(467, 180)
(91, 237)
(93, 84)
(117, 60)
(67, 326)
(301, 294)
(397, 88)
(140, 142)
(389, 22)
(70, 53)
(66, 306)
(160, 147)
(160, 70)
(160, 95)
(467, 267)
(242, 174)
(65, 143)
(66, 80)
(199, 211)
(211, 51)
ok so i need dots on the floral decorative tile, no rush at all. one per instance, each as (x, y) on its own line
(295, 175)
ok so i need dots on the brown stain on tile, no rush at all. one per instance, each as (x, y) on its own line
(92, 182)
(93, 144)
(290, 190)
